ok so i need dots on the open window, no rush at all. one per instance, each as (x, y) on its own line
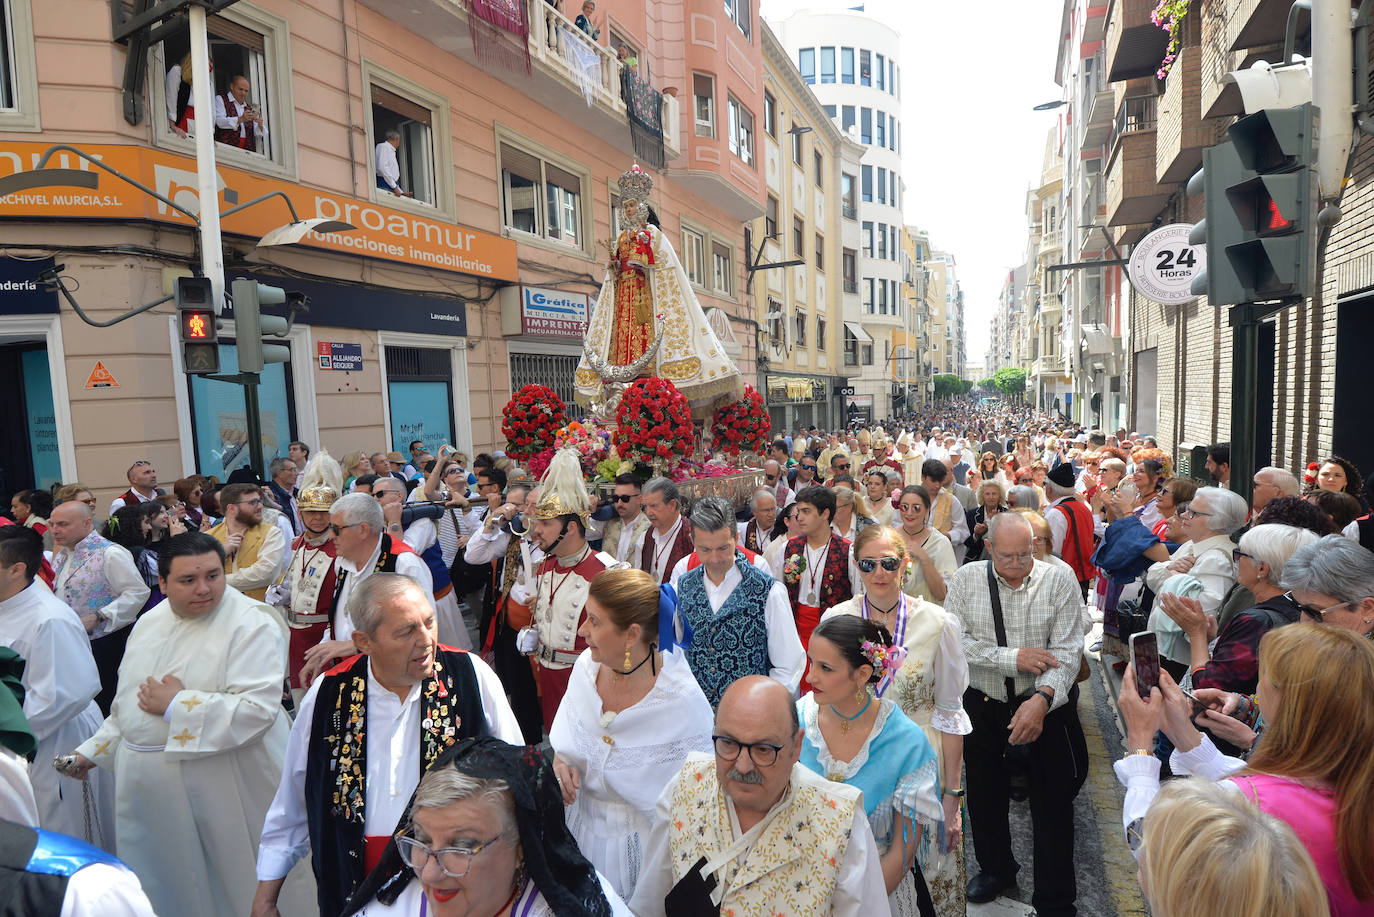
(18, 76)
(704, 104)
(694, 256)
(409, 129)
(741, 131)
(722, 273)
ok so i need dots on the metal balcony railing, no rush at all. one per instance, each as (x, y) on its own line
(851, 285)
(1137, 113)
(849, 210)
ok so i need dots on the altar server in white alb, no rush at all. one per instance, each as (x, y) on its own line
(60, 684)
(196, 736)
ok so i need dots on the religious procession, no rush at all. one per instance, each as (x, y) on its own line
(656, 657)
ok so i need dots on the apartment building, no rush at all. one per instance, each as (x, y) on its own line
(811, 172)
(859, 84)
(434, 306)
(1312, 398)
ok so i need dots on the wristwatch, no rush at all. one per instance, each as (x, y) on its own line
(394, 527)
(1049, 698)
(948, 792)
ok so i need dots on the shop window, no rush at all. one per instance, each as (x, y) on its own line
(704, 104)
(770, 114)
(827, 65)
(250, 70)
(798, 237)
(694, 256)
(806, 63)
(770, 217)
(820, 334)
(219, 425)
(847, 65)
(721, 272)
(419, 382)
(741, 131)
(18, 76)
(408, 128)
(540, 198)
(740, 12)
(799, 328)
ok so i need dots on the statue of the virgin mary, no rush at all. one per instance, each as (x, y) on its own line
(647, 321)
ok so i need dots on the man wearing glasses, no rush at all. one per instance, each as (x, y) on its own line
(253, 548)
(839, 465)
(624, 534)
(1023, 644)
(772, 831)
(142, 486)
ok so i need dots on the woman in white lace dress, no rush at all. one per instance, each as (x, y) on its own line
(629, 719)
(857, 738)
(929, 688)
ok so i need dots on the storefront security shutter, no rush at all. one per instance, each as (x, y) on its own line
(552, 369)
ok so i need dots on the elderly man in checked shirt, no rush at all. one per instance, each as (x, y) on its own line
(1024, 707)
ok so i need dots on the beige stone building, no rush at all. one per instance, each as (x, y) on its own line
(423, 318)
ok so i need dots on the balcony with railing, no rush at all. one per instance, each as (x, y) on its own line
(1135, 45)
(849, 210)
(1133, 193)
(1250, 23)
(592, 95)
(851, 285)
(1095, 103)
(1181, 134)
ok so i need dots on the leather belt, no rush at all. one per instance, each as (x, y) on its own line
(556, 657)
(300, 620)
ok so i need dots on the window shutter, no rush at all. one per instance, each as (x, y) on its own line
(401, 106)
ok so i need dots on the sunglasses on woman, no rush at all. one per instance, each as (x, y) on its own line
(869, 564)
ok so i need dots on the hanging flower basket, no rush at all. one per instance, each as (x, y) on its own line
(531, 420)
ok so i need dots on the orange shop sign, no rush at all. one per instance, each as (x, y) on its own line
(382, 232)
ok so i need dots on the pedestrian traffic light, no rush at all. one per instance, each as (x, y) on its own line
(1277, 204)
(197, 326)
(250, 325)
(1219, 229)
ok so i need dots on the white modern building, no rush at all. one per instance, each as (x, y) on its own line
(858, 81)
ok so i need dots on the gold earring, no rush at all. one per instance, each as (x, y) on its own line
(861, 695)
(626, 667)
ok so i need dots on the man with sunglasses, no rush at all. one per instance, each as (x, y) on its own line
(624, 535)
(775, 482)
(253, 548)
(772, 831)
(839, 465)
(142, 486)
(808, 472)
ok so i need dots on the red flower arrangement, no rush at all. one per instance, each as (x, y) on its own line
(655, 423)
(743, 426)
(531, 419)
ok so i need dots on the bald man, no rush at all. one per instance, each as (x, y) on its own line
(815, 850)
(99, 581)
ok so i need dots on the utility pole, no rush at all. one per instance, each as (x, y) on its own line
(207, 178)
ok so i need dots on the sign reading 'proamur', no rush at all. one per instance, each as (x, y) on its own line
(1164, 263)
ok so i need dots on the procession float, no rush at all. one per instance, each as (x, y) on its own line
(656, 390)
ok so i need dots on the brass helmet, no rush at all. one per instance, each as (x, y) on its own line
(320, 484)
(562, 491)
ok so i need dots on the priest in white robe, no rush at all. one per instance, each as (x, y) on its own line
(60, 684)
(196, 736)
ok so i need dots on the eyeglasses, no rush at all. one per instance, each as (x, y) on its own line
(256, 502)
(454, 862)
(764, 754)
(911, 507)
(843, 466)
(869, 564)
(454, 470)
(1316, 613)
(1014, 558)
(339, 529)
(1237, 554)
(770, 478)
(623, 498)
(142, 464)
(1187, 514)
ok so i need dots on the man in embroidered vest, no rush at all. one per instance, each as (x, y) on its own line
(361, 547)
(738, 616)
(365, 733)
(236, 124)
(753, 833)
(816, 566)
(60, 681)
(560, 588)
(142, 486)
(98, 580)
(196, 735)
(670, 539)
(252, 547)
(311, 579)
(624, 535)
(1071, 525)
(756, 534)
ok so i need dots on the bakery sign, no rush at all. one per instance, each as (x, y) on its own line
(553, 313)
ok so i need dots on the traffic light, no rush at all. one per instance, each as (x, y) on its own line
(1277, 206)
(197, 326)
(1219, 229)
(249, 298)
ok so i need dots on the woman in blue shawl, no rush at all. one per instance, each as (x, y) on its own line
(854, 735)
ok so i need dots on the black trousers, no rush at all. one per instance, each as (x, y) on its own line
(1056, 765)
(109, 653)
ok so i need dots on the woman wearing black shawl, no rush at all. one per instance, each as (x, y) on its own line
(495, 814)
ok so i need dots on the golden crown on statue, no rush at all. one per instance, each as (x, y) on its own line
(636, 184)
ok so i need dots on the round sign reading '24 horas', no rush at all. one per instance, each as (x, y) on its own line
(1163, 264)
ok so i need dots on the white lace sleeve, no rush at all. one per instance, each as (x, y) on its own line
(951, 680)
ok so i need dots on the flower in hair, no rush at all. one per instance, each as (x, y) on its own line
(885, 659)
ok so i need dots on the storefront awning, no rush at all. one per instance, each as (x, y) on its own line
(1097, 339)
(859, 333)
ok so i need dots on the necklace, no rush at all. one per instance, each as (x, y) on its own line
(847, 721)
(813, 571)
(628, 672)
(669, 539)
(554, 587)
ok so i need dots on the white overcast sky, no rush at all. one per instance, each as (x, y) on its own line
(971, 145)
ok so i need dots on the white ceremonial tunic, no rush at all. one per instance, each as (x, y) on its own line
(409, 564)
(192, 787)
(102, 890)
(627, 762)
(530, 903)
(60, 681)
(393, 765)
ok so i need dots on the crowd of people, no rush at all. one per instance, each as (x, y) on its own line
(334, 690)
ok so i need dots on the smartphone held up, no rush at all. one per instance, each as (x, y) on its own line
(1145, 662)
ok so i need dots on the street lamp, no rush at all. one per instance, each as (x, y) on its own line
(1050, 106)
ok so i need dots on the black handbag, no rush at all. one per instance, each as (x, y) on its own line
(1131, 618)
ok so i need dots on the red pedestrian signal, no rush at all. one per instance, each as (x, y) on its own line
(198, 326)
